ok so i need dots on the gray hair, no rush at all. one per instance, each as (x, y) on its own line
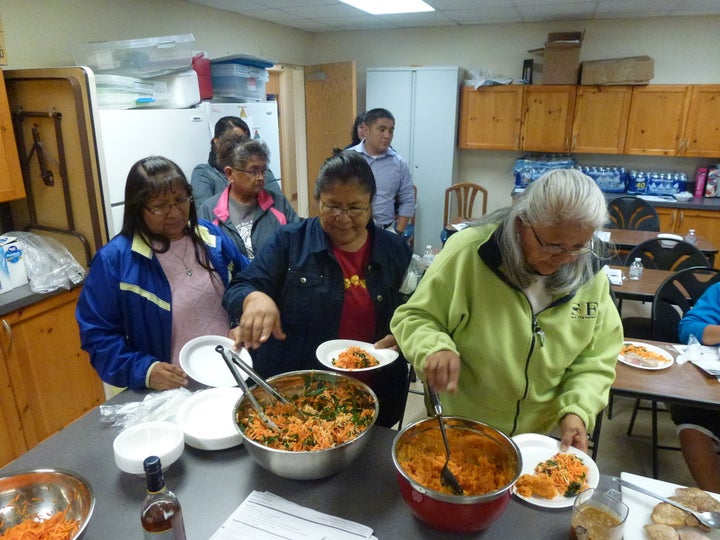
(559, 197)
(235, 150)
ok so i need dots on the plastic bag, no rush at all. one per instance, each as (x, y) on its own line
(48, 263)
(484, 77)
(416, 270)
(158, 406)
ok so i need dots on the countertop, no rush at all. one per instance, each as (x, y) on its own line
(21, 297)
(697, 203)
(211, 485)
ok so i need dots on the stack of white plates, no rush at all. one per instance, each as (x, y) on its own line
(206, 419)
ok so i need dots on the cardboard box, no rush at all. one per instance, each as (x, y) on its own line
(630, 70)
(561, 58)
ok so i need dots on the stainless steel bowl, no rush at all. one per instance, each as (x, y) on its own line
(308, 465)
(44, 492)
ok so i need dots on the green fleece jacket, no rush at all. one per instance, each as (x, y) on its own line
(519, 373)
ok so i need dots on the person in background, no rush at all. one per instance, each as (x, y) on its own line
(394, 203)
(336, 276)
(513, 322)
(157, 284)
(358, 131)
(247, 212)
(207, 179)
(699, 428)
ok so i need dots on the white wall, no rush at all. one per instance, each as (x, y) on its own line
(684, 49)
(40, 33)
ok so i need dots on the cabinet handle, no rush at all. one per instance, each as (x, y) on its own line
(9, 332)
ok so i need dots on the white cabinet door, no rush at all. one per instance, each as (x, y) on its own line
(424, 102)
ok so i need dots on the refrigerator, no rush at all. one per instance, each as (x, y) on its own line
(182, 135)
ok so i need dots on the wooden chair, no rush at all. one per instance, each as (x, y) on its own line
(632, 213)
(465, 194)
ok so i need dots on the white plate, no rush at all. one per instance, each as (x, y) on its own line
(331, 349)
(641, 506)
(205, 365)
(651, 348)
(206, 418)
(537, 448)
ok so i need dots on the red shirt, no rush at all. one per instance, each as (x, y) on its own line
(358, 314)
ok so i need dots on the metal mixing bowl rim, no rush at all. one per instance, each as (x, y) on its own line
(449, 497)
(83, 522)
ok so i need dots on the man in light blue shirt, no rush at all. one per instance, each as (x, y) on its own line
(395, 198)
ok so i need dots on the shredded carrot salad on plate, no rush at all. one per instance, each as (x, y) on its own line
(57, 527)
(631, 349)
(567, 473)
(334, 414)
(355, 358)
(479, 464)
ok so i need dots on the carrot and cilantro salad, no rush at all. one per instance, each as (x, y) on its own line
(355, 358)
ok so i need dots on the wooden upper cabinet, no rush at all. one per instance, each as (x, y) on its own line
(702, 128)
(11, 182)
(600, 120)
(656, 120)
(490, 117)
(547, 117)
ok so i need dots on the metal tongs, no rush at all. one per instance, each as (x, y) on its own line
(233, 361)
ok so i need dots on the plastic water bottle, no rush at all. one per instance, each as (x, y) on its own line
(428, 257)
(636, 269)
(690, 237)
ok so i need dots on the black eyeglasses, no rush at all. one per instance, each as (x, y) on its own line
(163, 209)
(353, 211)
(252, 172)
(554, 249)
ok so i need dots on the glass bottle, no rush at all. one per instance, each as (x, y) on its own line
(690, 237)
(636, 269)
(161, 515)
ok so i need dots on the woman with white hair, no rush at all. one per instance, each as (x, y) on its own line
(513, 322)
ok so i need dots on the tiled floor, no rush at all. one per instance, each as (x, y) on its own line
(618, 452)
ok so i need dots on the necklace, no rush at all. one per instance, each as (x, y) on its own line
(188, 270)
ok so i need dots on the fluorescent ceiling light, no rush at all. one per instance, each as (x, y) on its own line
(385, 7)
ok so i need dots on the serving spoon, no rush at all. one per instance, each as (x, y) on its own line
(709, 519)
(447, 478)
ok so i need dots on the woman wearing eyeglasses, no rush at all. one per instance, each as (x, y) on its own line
(157, 284)
(247, 212)
(330, 277)
(513, 322)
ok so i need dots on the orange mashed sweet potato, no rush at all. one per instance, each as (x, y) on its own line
(480, 465)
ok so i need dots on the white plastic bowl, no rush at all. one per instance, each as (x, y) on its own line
(133, 445)
(683, 196)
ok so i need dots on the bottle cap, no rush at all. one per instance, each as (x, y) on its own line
(637, 259)
(152, 464)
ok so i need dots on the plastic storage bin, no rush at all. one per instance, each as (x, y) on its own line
(239, 82)
(140, 58)
(120, 92)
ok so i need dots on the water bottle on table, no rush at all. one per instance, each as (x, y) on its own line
(690, 237)
(636, 269)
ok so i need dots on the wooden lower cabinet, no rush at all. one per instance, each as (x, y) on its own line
(47, 379)
(680, 220)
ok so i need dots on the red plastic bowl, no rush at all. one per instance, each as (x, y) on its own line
(448, 512)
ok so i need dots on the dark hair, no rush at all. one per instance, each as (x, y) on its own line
(235, 150)
(359, 119)
(345, 167)
(373, 115)
(222, 126)
(149, 177)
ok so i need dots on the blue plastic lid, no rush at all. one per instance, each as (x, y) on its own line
(246, 60)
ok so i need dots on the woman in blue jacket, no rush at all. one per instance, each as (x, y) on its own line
(334, 276)
(157, 284)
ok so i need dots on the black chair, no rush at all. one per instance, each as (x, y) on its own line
(673, 299)
(667, 254)
(632, 213)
